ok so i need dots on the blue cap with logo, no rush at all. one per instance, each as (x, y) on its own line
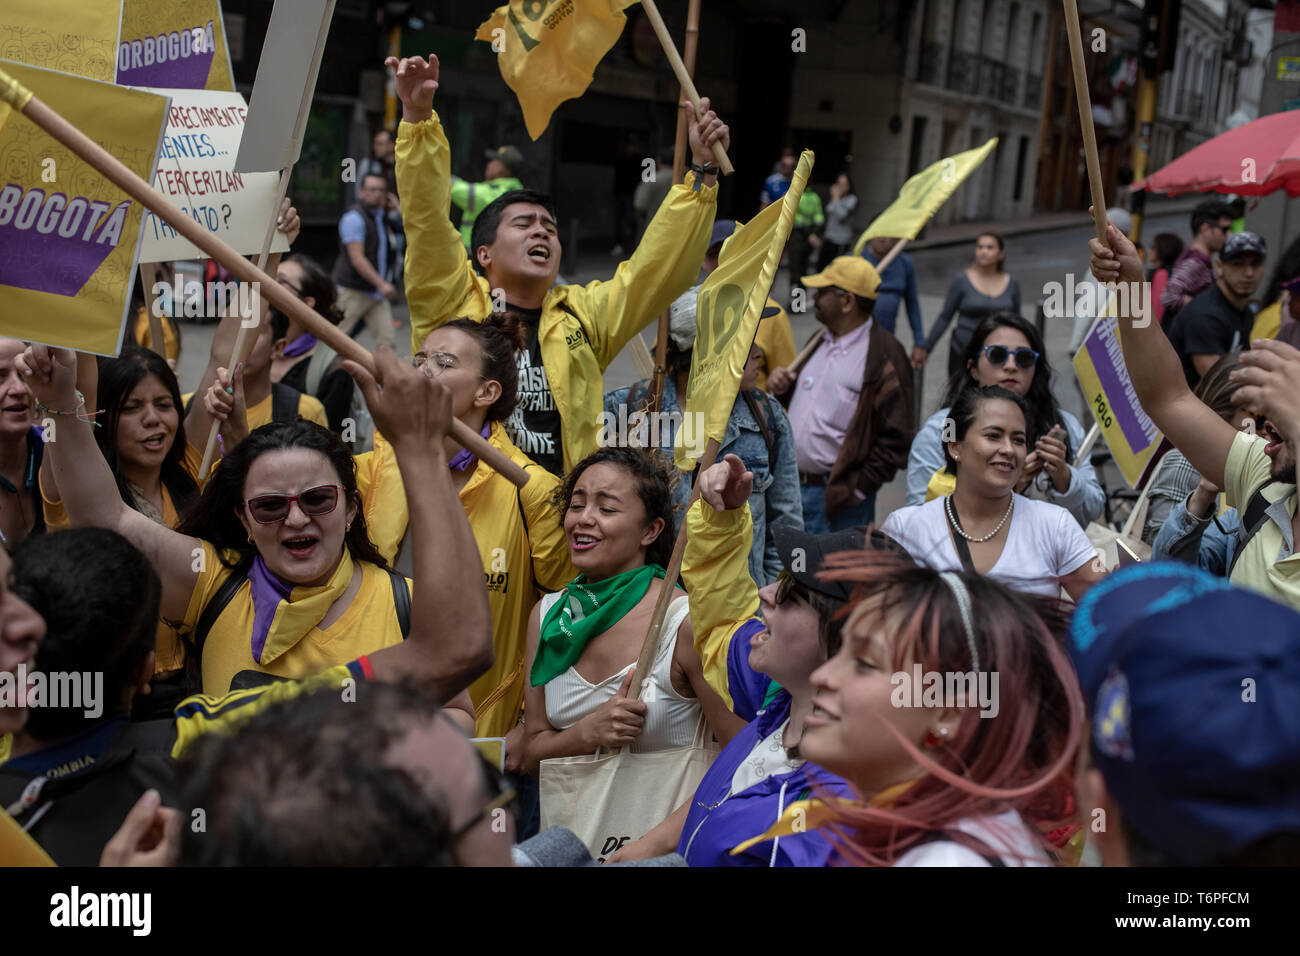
(1193, 690)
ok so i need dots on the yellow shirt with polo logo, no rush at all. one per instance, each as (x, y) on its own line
(1269, 563)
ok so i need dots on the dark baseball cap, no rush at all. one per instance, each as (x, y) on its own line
(722, 230)
(1240, 243)
(803, 554)
(508, 156)
(1191, 686)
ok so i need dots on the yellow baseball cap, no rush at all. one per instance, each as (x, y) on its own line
(850, 273)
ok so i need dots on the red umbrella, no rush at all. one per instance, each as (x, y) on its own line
(1255, 159)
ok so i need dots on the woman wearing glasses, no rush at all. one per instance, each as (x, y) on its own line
(979, 290)
(272, 570)
(984, 526)
(298, 360)
(1007, 351)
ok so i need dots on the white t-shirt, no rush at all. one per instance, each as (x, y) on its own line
(1005, 835)
(1043, 545)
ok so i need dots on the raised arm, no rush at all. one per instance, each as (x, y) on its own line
(667, 260)
(1153, 365)
(440, 283)
(450, 643)
(724, 598)
(86, 483)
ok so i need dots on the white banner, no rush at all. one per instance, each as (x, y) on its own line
(195, 171)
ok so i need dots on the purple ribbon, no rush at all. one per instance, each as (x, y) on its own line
(302, 343)
(267, 593)
(464, 458)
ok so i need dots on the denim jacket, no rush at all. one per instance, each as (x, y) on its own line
(1207, 543)
(776, 496)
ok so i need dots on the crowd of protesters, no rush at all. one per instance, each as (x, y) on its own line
(376, 649)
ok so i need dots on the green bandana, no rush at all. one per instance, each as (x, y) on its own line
(584, 610)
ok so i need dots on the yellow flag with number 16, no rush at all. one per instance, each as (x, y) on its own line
(727, 311)
(548, 49)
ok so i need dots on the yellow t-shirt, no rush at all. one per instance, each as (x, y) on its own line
(521, 545)
(17, 848)
(171, 344)
(169, 652)
(1258, 567)
(369, 623)
(776, 339)
(1267, 322)
(309, 407)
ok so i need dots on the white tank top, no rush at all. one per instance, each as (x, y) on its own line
(670, 721)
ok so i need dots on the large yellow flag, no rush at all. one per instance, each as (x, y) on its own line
(548, 49)
(726, 317)
(923, 194)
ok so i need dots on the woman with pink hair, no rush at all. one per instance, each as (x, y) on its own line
(953, 710)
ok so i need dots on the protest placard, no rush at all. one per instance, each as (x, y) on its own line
(1129, 431)
(68, 237)
(173, 44)
(71, 36)
(194, 170)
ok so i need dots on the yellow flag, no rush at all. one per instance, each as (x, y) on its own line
(923, 194)
(69, 238)
(548, 49)
(726, 317)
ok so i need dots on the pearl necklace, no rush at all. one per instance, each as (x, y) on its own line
(952, 520)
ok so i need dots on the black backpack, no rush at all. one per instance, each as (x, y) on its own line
(1254, 518)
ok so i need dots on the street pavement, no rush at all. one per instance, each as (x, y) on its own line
(1034, 258)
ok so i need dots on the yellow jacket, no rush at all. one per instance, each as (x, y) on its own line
(521, 544)
(582, 328)
(724, 598)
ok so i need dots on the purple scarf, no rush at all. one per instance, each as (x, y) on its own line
(267, 593)
(465, 458)
(302, 343)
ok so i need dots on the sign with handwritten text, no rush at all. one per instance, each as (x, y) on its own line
(195, 172)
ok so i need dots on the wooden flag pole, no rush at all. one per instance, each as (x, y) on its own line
(20, 98)
(242, 344)
(683, 75)
(651, 644)
(802, 358)
(659, 368)
(149, 277)
(1085, 117)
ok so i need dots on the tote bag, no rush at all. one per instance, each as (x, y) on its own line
(613, 798)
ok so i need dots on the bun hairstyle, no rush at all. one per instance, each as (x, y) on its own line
(966, 408)
(499, 337)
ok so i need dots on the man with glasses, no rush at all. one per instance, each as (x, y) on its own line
(850, 404)
(366, 259)
(1219, 320)
(1191, 274)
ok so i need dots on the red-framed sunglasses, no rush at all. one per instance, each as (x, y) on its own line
(314, 502)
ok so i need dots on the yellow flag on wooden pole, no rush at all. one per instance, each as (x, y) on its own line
(923, 194)
(548, 49)
(726, 317)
